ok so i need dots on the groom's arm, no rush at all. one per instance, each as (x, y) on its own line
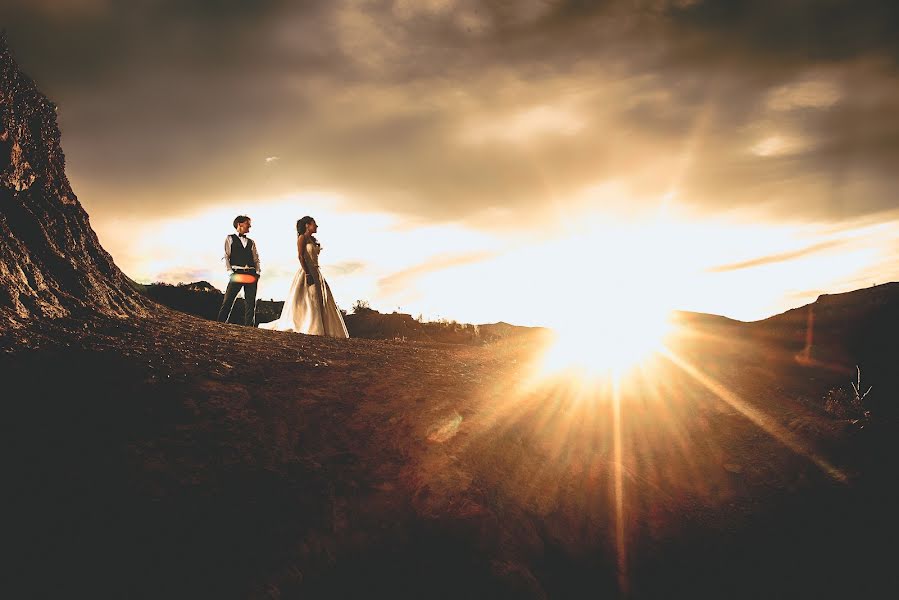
(228, 253)
(256, 260)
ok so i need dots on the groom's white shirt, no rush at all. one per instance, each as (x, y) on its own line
(243, 240)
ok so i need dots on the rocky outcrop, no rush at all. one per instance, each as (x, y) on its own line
(51, 263)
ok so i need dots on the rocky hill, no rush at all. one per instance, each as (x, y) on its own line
(856, 325)
(51, 262)
(839, 332)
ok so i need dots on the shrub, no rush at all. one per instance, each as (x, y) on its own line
(842, 405)
(837, 403)
(361, 306)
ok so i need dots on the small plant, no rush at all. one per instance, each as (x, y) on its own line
(841, 405)
(857, 386)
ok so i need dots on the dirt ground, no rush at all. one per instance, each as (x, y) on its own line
(176, 457)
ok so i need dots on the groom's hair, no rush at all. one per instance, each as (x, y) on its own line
(240, 219)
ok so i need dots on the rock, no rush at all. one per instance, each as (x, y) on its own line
(51, 263)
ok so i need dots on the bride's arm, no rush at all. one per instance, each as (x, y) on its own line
(301, 254)
(301, 251)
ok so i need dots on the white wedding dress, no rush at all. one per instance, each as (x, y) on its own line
(310, 309)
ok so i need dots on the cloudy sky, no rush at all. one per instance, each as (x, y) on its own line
(488, 160)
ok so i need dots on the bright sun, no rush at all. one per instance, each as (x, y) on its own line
(612, 299)
(608, 344)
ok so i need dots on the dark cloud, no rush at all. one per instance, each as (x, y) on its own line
(803, 31)
(414, 106)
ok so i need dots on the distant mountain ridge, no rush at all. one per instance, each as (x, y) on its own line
(833, 337)
(849, 320)
(202, 299)
(843, 330)
(834, 310)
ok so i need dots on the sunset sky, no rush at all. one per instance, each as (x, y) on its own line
(523, 161)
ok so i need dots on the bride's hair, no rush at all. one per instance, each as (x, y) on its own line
(301, 228)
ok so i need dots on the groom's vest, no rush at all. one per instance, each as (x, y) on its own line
(241, 256)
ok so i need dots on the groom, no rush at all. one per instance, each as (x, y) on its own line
(241, 258)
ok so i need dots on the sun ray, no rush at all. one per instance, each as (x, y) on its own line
(618, 458)
(757, 417)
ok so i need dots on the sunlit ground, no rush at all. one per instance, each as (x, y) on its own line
(624, 422)
(593, 356)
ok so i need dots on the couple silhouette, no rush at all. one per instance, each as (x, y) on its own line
(309, 307)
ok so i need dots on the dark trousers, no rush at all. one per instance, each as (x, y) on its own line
(249, 295)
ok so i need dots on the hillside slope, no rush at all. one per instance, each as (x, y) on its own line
(196, 459)
(51, 262)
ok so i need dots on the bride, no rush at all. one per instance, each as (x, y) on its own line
(309, 307)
